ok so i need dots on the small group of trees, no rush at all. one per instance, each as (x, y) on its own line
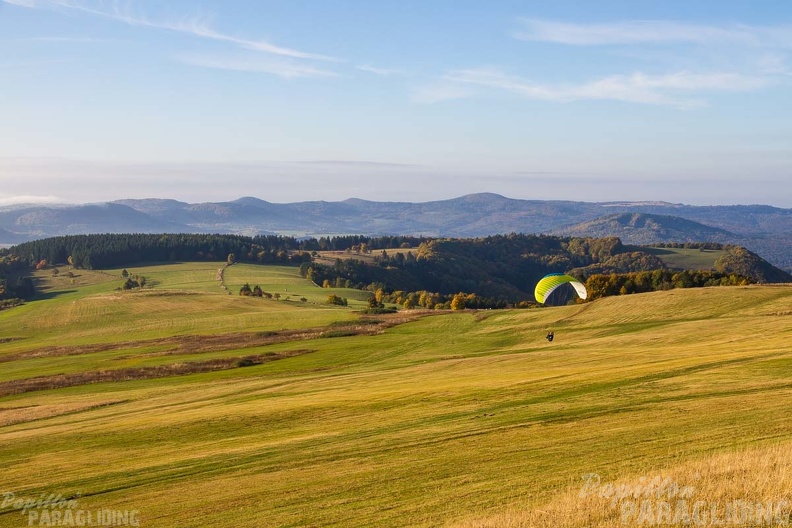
(14, 286)
(337, 300)
(339, 282)
(132, 281)
(256, 291)
(435, 301)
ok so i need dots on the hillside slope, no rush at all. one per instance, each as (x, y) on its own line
(508, 267)
(499, 269)
(643, 228)
(431, 422)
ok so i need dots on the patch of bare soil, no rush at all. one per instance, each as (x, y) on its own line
(199, 344)
(58, 381)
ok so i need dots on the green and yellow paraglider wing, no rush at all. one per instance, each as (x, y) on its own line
(550, 282)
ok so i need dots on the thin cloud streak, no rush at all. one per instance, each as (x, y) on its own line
(75, 40)
(652, 32)
(8, 199)
(634, 88)
(439, 92)
(22, 3)
(281, 68)
(361, 164)
(191, 26)
(197, 28)
(383, 72)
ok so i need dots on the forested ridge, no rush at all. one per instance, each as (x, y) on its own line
(116, 250)
(492, 271)
(505, 269)
(762, 229)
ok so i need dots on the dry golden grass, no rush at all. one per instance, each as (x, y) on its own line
(743, 487)
(11, 415)
(468, 418)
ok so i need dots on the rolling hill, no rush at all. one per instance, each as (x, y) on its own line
(644, 228)
(500, 270)
(183, 406)
(762, 229)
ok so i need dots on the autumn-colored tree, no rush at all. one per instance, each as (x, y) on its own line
(374, 303)
(458, 302)
(336, 300)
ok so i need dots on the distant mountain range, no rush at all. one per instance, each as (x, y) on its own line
(763, 229)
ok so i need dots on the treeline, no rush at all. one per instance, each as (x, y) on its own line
(657, 280)
(359, 243)
(712, 246)
(436, 301)
(501, 267)
(14, 287)
(117, 250)
(503, 270)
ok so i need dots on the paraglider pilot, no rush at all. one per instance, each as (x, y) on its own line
(550, 335)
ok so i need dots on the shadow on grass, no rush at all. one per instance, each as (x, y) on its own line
(46, 295)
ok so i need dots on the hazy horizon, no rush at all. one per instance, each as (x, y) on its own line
(417, 101)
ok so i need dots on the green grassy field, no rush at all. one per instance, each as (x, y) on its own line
(468, 419)
(682, 258)
(329, 257)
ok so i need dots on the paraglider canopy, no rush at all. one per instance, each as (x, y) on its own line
(553, 281)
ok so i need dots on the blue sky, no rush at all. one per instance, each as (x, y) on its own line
(293, 100)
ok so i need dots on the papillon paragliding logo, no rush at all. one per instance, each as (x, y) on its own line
(557, 289)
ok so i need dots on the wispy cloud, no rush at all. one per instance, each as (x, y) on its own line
(358, 163)
(287, 69)
(773, 64)
(729, 58)
(195, 26)
(9, 199)
(652, 32)
(440, 91)
(21, 3)
(635, 88)
(200, 29)
(384, 72)
(65, 40)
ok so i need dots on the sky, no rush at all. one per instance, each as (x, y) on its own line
(396, 100)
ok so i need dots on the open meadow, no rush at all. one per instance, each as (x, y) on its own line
(190, 406)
